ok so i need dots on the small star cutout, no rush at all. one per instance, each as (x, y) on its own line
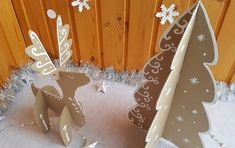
(194, 81)
(101, 87)
(201, 37)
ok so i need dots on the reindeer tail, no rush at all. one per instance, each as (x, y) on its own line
(34, 89)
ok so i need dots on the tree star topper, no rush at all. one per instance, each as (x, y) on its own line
(167, 14)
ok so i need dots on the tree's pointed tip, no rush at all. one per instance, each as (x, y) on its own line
(199, 2)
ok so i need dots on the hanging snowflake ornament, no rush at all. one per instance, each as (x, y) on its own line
(167, 14)
(81, 4)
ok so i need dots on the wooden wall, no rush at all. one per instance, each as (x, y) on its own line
(121, 33)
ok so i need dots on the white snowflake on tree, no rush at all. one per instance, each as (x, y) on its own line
(167, 14)
(186, 140)
(194, 111)
(201, 37)
(180, 118)
(81, 4)
(194, 81)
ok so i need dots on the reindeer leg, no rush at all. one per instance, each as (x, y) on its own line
(66, 126)
(40, 112)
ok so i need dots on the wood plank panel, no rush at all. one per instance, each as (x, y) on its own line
(6, 58)
(141, 29)
(181, 6)
(121, 33)
(216, 10)
(113, 17)
(88, 32)
(63, 8)
(31, 15)
(226, 44)
(233, 78)
(11, 29)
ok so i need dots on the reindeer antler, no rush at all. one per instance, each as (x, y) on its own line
(44, 64)
(64, 44)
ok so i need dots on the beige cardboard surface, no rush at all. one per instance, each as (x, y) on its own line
(181, 115)
(156, 72)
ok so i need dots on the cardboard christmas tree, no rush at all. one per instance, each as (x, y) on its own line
(181, 117)
(156, 72)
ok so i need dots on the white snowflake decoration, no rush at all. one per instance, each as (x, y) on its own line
(194, 111)
(186, 140)
(201, 37)
(81, 4)
(179, 118)
(167, 14)
(194, 81)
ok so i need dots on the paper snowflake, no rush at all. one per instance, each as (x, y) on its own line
(167, 14)
(2, 117)
(81, 4)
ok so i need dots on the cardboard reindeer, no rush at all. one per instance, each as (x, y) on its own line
(48, 97)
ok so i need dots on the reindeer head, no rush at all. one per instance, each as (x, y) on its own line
(71, 78)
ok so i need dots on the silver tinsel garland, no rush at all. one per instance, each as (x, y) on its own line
(13, 85)
(225, 92)
(23, 77)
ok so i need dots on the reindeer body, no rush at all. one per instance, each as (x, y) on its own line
(68, 83)
(48, 97)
